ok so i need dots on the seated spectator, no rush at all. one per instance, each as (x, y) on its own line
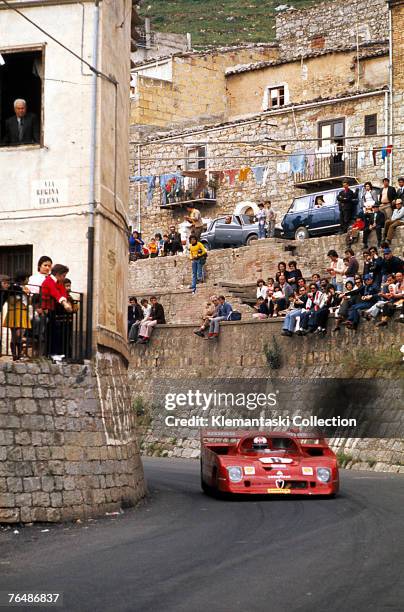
(153, 248)
(262, 309)
(23, 127)
(281, 270)
(355, 229)
(164, 252)
(336, 270)
(282, 294)
(261, 288)
(352, 295)
(387, 292)
(396, 220)
(391, 264)
(160, 244)
(137, 315)
(290, 324)
(395, 301)
(136, 245)
(319, 318)
(209, 312)
(301, 283)
(223, 313)
(156, 317)
(316, 300)
(368, 298)
(315, 278)
(270, 283)
(293, 274)
(374, 220)
(352, 266)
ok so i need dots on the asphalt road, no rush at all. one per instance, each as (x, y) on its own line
(182, 551)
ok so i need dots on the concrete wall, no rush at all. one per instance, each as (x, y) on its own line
(163, 43)
(197, 91)
(324, 76)
(331, 25)
(158, 156)
(68, 448)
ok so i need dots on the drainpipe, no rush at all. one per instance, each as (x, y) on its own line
(391, 122)
(139, 191)
(386, 131)
(91, 201)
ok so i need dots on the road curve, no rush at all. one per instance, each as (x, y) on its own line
(181, 551)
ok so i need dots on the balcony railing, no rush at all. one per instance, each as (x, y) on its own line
(329, 168)
(31, 327)
(190, 190)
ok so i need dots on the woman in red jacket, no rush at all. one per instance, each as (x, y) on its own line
(54, 303)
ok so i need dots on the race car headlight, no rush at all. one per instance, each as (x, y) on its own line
(324, 474)
(235, 473)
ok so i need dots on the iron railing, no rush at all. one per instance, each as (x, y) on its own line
(193, 190)
(32, 328)
(329, 166)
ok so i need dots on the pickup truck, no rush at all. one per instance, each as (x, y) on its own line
(230, 231)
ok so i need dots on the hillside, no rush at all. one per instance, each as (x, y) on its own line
(217, 22)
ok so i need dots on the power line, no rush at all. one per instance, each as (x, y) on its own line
(92, 68)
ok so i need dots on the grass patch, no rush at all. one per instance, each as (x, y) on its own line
(273, 354)
(213, 22)
(389, 359)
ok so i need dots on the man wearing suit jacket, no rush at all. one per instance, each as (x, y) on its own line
(386, 198)
(374, 221)
(400, 190)
(23, 128)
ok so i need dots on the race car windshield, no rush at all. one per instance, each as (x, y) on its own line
(273, 444)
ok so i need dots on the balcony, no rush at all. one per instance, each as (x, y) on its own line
(190, 190)
(329, 171)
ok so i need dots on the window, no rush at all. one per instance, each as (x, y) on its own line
(370, 125)
(300, 204)
(16, 259)
(21, 76)
(275, 97)
(325, 199)
(331, 132)
(196, 158)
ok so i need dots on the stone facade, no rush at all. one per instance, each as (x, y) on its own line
(68, 448)
(158, 155)
(189, 87)
(397, 10)
(331, 25)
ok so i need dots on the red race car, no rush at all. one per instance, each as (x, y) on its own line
(267, 463)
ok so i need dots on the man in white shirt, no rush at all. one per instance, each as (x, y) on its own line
(336, 270)
(396, 220)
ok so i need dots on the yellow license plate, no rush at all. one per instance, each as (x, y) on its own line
(278, 491)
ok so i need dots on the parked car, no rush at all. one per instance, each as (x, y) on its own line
(240, 230)
(275, 463)
(308, 216)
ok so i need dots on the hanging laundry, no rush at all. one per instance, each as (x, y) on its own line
(231, 175)
(266, 174)
(151, 183)
(375, 152)
(311, 161)
(243, 174)
(361, 158)
(297, 162)
(283, 167)
(258, 172)
(169, 181)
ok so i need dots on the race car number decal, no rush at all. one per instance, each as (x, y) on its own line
(275, 460)
(278, 491)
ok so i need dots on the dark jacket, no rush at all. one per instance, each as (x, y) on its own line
(393, 265)
(391, 194)
(378, 218)
(157, 314)
(400, 194)
(347, 199)
(30, 130)
(353, 267)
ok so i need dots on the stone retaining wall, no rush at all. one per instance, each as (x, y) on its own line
(68, 448)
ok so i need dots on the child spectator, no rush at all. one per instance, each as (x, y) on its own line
(262, 310)
(354, 231)
(153, 248)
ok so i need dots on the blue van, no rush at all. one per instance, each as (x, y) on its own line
(315, 214)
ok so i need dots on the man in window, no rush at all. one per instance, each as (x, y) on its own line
(23, 127)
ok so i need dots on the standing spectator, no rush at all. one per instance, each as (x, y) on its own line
(336, 270)
(223, 313)
(369, 197)
(54, 300)
(43, 270)
(174, 244)
(271, 218)
(195, 218)
(17, 317)
(209, 312)
(373, 263)
(386, 198)
(197, 254)
(35, 282)
(261, 218)
(156, 317)
(293, 274)
(352, 265)
(400, 190)
(347, 201)
(131, 311)
(397, 219)
(374, 220)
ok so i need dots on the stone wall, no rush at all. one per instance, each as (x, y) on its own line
(68, 448)
(397, 7)
(331, 25)
(158, 155)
